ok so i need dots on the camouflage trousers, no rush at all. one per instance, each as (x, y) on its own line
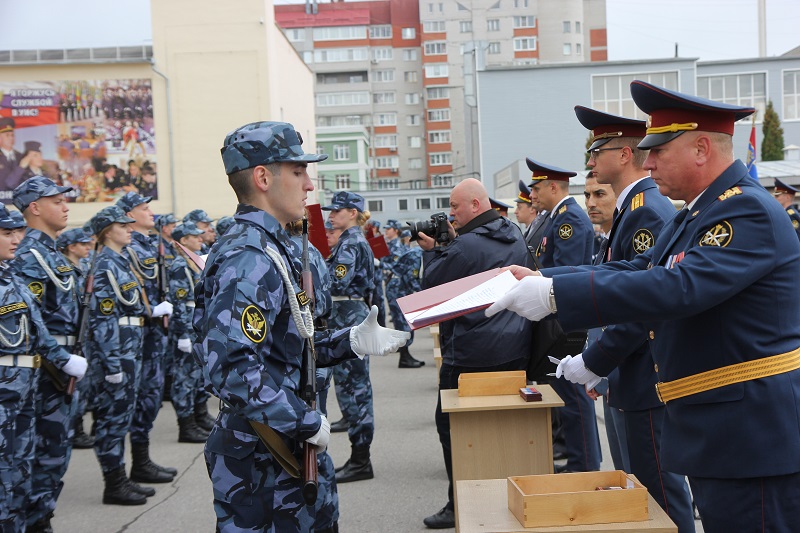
(54, 429)
(252, 492)
(114, 412)
(327, 506)
(151, 382)
(17, 442)
(187, 379)
(398, 320)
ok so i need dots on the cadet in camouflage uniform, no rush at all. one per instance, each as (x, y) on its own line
(248, 323)
(406, 279)
(164, 226)
(377, 296)
(200, 218)
(52, 282)
(22, 334)
(223, 224)
(188, 376)
(143, 258)
(351, 266)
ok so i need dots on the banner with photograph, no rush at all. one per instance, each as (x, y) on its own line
(97, 137)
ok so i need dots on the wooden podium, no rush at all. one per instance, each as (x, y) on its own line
(500, 436)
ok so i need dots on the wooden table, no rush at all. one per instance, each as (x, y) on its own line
(500, 436)
(483, 508)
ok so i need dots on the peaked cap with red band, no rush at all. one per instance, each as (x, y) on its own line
(605, 126)
(543, 172)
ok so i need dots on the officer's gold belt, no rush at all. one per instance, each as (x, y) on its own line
(728, 375)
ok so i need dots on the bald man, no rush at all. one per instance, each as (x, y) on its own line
(471, 343)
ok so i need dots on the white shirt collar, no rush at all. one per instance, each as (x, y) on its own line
(691, 204)
(624, 193)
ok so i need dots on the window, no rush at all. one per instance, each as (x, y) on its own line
(410, 54)
(413, 120)
(409, 33)
(383, 53)
(387, 162)
(388, 183)
(442, 180)
(736, 89)
(441, 158)
(438, 93)
(334, 99)
(435, 48)
(341, 152)
(442, 202)
(383, 76)
(296, 35)
(439, 136)
(410, 76)
(412, 98)
(385, 119)
(341, 77)
(612, 94)
(567, 27)
(415, 163)
(520, 3)
(494, 48)
(465, 26)
(342, 181)
(567, 49)
(578, 49)
(383, 98)
(791, 94)
(380, 32)
(374, 205)
(339, 33)
(402, 204)
(436, 70)
(385, 141)
(423, 204)
(332, 55)
(415, 142)
(438, 115)
(492, 24)
(524, 44)
(577, 26)
(349, 120)
(433, 26)
(525, 22)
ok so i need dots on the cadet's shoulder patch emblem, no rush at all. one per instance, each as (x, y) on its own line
(149, 261)
(62, 269)
(36, 288)
(562, 210)
(107, 306)
(637, 202)
(733, 191)
(643, 240)
(12, 307)
(415, 273)
(254, 325)
(128, 286)
(181, 293)
(720, 235)
(565, 231)
(340, 271)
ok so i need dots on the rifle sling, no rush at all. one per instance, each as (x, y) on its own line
(277, 448)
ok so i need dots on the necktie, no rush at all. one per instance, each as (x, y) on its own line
(599, 259)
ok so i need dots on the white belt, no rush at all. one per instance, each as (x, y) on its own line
(190, 304)
(24, 361)
(346, 298)
(65, 340)
(131, 321)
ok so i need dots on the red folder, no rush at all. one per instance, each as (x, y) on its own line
(196, 259)
(378, 246)
(316, 229)
(419, 301)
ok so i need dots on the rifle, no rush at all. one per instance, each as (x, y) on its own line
(83, 330)
(308, 385)
(163, 282)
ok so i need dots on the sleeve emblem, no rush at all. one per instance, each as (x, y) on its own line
(340, 271)
(107, 306)
(720, 235)
(181, 293)
(565, 231)
(37, 289)
(642, 240)
(254, 325)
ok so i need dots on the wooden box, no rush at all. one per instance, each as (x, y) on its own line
(435, 335)
(491, 383)
(572, 499)
(437, 358)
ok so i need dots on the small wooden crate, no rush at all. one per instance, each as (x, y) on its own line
(572, 499)
(437, 358)
(491, 383)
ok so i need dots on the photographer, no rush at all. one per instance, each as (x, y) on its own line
(471, 343)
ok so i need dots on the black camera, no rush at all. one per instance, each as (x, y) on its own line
(436, 228)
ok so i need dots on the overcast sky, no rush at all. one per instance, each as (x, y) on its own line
(637, 29)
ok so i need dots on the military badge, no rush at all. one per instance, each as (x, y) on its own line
(63, 269)
(107, 306)
(565, 231)
(791, 211)
(415, 273)
(643, 240)
(37, 289)
(340, 271)
(562, 210)
(720, 235)
(128, 286)
(181, 293)
(12, 307)
(733, 191)
(796, 224)
(637, 201)
(254, 325)
(302, 298)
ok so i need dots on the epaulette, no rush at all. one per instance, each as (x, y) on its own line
(733, 191)
(791, 211)
(637, 201)
(562, 210)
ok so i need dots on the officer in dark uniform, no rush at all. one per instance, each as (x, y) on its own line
(785, 194)
(716, 295)
(500, 207)
(13, 165)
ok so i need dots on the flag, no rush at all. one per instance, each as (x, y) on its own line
(751, 153)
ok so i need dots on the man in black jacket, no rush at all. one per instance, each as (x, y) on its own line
(473, 343)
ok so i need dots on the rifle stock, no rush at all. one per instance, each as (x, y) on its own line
(308, 388)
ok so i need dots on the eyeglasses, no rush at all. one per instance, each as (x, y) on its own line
(594, 153)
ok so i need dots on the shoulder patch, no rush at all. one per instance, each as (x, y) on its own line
(791, 211)
(36, 288)
(637, 201)
(149, 261)
(562, 210)
(340, 271)
(12, 307)
(643, 240)
(254, 325)
(565, 231)
(733, 191)
(107, 306)
(64, 268)
(720, 235)
(128, 286)
(181, 293)
(302, 298)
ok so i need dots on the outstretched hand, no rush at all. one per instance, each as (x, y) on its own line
(371, 338)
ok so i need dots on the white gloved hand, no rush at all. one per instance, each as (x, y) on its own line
(573, 369)
(370, 338)
(529, 298)
(115, 378)
(76, 367)
(162, 309)
(376, 262)
(185, 345)
(321, 437)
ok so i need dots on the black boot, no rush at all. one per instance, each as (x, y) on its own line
(81, 440)
(41, 526)
(340, 426)
(357, 468)
(139, 489)
(144, 469)
(204, 420)
(189, 432)
(166, 394)
(406, 361)
(118, 492)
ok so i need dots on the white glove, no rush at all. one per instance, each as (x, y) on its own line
(185, 345)
(376, 262)
(370, 338)
(76, 367)
(530, 298)
(162, 309)
(115, 378)
(321, 437)
(573, 369)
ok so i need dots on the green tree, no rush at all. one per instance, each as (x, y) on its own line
(772, 145)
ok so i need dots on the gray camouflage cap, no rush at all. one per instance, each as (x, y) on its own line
(262, 143)
(8, 220)
(223, 224)
(187, 228)
(72, 236)
(34, 188)
(107, 216)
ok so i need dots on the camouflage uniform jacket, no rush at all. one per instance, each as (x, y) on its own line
(169, 249)
(247, 341)
(351, 265)
(396, 250)
(143, 257)
(320, 276)
(182, 281)
(406, 273)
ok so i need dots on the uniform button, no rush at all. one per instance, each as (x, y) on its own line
(652, 335)
(656, 367)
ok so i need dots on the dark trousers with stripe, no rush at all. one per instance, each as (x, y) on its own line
(579, 424)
